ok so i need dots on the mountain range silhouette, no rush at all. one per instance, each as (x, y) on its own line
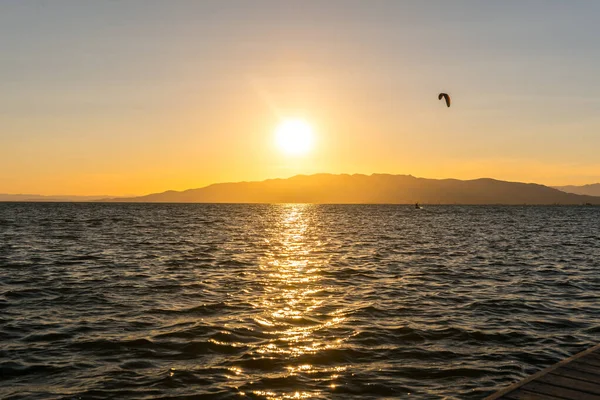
(376, 189)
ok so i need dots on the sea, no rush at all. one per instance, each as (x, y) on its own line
(290, 301)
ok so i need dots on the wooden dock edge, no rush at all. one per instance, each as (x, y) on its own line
(541, 373)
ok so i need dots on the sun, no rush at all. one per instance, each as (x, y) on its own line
(294, 136)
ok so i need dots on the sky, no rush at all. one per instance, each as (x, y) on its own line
(134, 97)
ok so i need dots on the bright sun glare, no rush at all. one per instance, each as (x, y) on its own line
(294, 136)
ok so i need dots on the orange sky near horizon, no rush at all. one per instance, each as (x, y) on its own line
(145, 97)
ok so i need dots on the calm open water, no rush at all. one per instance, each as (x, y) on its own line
(193, 301)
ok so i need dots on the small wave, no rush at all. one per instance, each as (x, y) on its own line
(15, 369)
(51, 337)
(201, 310)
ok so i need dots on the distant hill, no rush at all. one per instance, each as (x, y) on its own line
(38, 197)
(377, 188)
(590, 190)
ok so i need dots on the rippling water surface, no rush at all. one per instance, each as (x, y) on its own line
(290, 301)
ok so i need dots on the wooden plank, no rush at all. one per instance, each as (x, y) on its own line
(595, 355)
(521, 394)
(570, 383)
(589, 360)
(576, 374)
(584, 367)
(543, 372)
(558, 391)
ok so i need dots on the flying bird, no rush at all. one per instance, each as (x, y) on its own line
(446, 97)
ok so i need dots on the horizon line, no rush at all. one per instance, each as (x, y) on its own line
(109, 196)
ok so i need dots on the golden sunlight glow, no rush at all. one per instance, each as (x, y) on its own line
(294, 136)
(293, 305)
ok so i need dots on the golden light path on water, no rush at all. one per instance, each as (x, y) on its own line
(293, 296)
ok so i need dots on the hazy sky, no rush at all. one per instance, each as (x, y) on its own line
(132, 97)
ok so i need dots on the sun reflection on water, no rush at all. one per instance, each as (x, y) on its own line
(293, 298)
